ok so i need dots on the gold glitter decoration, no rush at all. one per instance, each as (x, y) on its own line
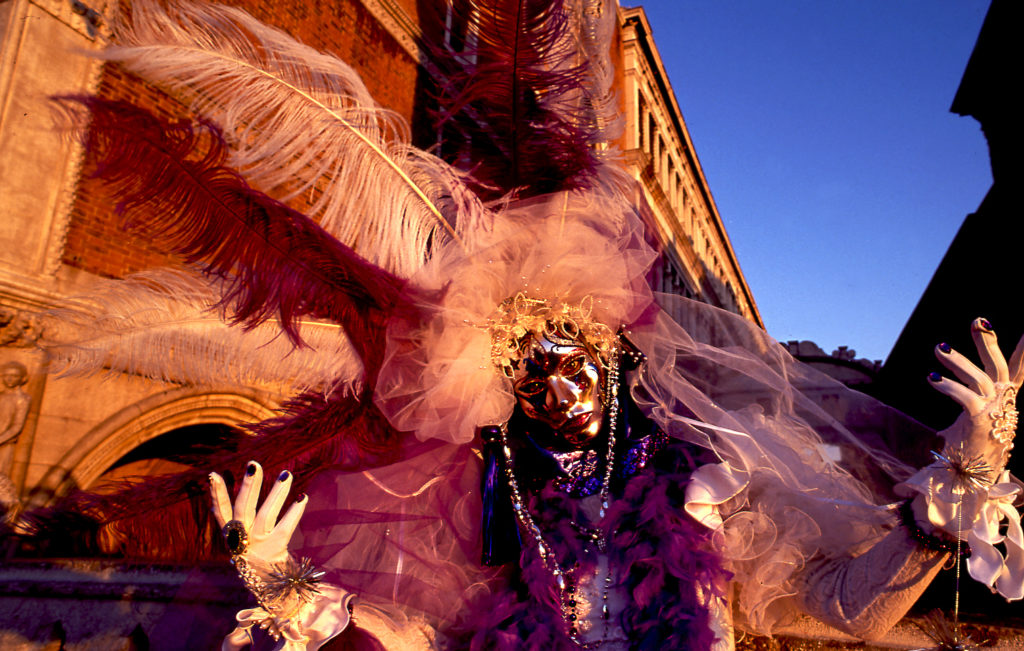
(299, 578)
(521, 315)
(1004, 420)
(946, 635)
(969, 473)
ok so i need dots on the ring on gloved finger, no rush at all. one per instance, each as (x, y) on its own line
(236, 537)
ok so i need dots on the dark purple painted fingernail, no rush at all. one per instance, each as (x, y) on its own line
(250, 469)
(282, 476)
(934, 377)
(946, 348)
(983, 324)
(301, 498)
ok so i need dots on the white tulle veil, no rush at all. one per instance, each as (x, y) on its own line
(802, 451)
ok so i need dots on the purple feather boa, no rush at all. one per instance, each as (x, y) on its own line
(659, 554)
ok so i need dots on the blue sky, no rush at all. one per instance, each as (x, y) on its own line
(824, 130)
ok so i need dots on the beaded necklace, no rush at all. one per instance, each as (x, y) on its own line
(564, 579)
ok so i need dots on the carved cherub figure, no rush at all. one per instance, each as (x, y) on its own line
(14, 404)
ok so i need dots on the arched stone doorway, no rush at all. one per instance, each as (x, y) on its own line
(167, 453)
(145, 434)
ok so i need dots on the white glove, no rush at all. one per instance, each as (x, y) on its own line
(264, 540)
(986, 428)
(294, 604)
(966, 493)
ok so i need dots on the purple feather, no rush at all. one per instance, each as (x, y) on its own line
(276, 261)
(659, 558)
(517, 103)
(173, 184)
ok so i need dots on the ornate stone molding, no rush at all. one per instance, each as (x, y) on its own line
(68, 188)
(84, 16)
(41, 54)
(29, 294)
(398, 24)
(133, 425)
(89, 20)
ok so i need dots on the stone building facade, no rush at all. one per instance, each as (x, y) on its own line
(698, 260)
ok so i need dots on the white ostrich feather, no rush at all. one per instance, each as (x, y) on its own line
(300, 123)
(162, 325)
(594, 25)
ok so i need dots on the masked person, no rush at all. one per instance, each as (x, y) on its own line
(504, 440)
(626, 484)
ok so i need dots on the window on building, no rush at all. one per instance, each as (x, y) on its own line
(651, 130)
(641, 121)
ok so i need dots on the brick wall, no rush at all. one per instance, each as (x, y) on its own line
(96, 242)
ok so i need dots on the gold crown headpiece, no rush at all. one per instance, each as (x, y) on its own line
(520, 315)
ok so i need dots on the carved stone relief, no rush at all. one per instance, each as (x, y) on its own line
(18, 328)
(14, 406)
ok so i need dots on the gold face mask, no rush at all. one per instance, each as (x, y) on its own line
(558, 383)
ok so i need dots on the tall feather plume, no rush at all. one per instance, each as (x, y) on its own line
(527, 96)
(166, 325)
(267, 265)
(299, 123)
(594, 29)
(275, 263)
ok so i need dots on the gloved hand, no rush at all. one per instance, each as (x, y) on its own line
(296, 608)
(966, 494)
(259, 538)
(985, 430)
